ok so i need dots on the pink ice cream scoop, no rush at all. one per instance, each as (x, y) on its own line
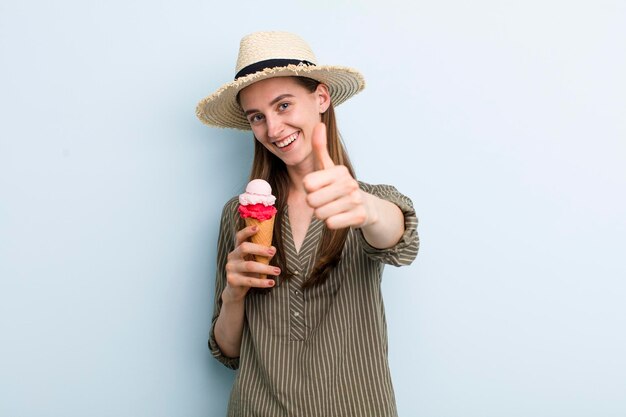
(256, 207)
(257, 202)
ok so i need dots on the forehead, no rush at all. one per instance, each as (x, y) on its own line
(264, 91)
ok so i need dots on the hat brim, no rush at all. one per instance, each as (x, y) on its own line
(221, 109)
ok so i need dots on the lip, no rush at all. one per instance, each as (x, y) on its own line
(291, 145)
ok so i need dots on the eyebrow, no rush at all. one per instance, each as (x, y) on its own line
(276, 100)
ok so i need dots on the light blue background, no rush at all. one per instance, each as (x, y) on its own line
(503, 121)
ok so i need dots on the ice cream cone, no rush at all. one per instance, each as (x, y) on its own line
(256, 206)
(262, 237)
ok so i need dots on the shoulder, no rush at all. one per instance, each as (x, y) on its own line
(231, 205)
(389, 193)
(385, 191)
(376, 188)
(229, 212)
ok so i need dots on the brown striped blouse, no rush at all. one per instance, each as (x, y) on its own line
(321, 351)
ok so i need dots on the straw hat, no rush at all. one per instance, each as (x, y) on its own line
(274, 54)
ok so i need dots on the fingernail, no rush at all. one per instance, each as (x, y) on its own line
(277, 271)
(255, 228)
(271, 251)
(271, 283)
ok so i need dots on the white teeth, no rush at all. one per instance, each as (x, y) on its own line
(287, 141)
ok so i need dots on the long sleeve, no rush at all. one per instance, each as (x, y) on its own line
(225, 245)
(405, 251)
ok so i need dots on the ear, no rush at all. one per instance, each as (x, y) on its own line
(323, 96)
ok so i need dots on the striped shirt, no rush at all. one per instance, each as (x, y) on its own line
(321, 351)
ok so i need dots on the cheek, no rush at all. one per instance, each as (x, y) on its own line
(262, 139)
(265, 144)
(259, 134)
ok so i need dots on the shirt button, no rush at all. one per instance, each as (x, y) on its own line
(296, 314)
(296, 292)
(296, 273)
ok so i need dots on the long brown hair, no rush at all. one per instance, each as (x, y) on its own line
(269, 167)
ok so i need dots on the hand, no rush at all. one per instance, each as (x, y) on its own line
(242, 271)
(332, 192)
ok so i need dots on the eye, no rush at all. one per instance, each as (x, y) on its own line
(283, 106)
(256, 117)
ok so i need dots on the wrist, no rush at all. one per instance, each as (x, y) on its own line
(232, 296)
(371, 212)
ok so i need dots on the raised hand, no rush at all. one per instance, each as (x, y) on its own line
(332, 192)
(242, 271)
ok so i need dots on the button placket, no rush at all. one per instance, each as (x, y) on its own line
(296, 308)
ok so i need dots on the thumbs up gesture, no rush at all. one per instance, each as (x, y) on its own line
(332, 192)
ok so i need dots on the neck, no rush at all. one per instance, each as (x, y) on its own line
(297, 174)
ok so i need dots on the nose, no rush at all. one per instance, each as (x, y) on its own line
(274, 126)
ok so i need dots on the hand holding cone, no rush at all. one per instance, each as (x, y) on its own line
(257, 208)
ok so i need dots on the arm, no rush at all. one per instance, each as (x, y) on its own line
(234, 276)
(229, 326)
(242, 273)
(405, 250)
(337, 199)
(384, 226)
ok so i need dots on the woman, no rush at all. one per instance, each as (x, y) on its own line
(309, 339)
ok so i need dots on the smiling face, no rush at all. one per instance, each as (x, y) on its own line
(282, 114)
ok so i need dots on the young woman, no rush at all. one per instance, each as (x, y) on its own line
(310, 338)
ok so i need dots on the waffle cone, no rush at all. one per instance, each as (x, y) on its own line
(262, 237)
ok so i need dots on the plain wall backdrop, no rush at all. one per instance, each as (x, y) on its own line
(503, 121)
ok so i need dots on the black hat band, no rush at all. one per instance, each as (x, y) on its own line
(270, 63)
